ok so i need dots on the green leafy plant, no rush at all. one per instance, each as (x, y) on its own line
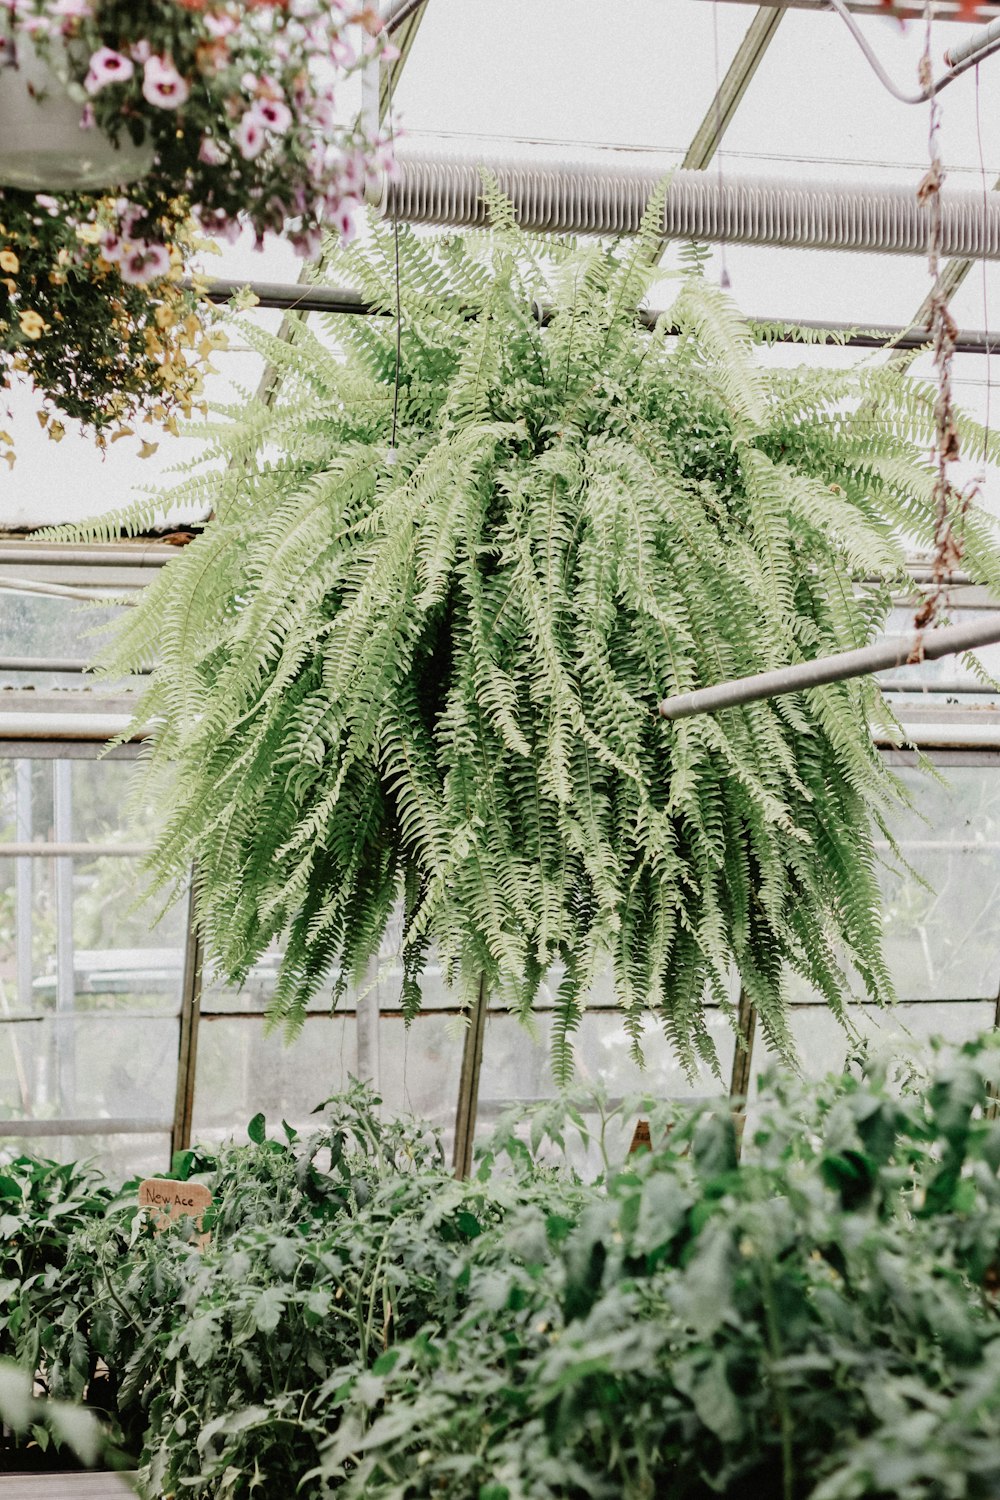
(417, 653)
(816, 1318)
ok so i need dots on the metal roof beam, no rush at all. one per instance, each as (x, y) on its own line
(342, 300)
(732, 88)
(906, 10)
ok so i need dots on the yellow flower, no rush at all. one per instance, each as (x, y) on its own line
(165, 317)
(89, 233)
(9, 262)
(32, 324)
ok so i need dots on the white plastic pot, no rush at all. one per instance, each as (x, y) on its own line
(42, 145)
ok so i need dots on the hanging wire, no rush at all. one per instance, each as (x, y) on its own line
(724, 280)
(391, 455)
(982, 264)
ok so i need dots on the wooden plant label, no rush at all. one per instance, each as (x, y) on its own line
(169, 1201)
(640, 1138)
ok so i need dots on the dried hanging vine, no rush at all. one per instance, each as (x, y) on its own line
(950, 503)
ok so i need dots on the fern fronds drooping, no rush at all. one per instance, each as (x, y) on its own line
(429, 677)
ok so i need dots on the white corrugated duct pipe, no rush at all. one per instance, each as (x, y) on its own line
(554, 194)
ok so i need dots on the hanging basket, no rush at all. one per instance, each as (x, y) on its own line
(42, 144)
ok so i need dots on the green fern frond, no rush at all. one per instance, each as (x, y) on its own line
(430, 677)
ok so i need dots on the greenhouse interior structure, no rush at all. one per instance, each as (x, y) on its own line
(499, 749)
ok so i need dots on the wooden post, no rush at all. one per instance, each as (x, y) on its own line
(187, 1050)
(468, 1088)
(739, 1083)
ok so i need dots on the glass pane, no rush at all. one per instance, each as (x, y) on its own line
(824, 1048)
(89, 1067)
(517, 1065)
(943, 935)
(242, 1070)
(119, 1156)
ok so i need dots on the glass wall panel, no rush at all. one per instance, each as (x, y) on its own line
(899, 1032)
(243, 1070)
(90, 980)
(120, 1156)
(90, 986)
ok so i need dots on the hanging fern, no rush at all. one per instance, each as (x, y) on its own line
(431, 675)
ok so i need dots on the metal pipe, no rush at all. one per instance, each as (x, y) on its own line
(908, 10)
(554, 195)
(975, 45)
(341, 300)
(64, 1029)
(984, 47)
(74, 727)
(894, 651)
(50, 849)
(91, 1126)
(944, 689)
(291, 296)
(23, 894)
(123, 554)
(55, 664)
(400, 12)
(61, 591)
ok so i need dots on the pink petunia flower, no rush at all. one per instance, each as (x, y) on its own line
(342, 220)
(162, 84)
(113, 246)
(272, 114)
(210, 152)
(71, 10)
(144, 263)
(221, 25)
(107, 66)
(306, 242)
(342, 53)
(249, 135)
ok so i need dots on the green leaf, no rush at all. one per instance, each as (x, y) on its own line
(257, 1129)
(268, 1307)
(716, 1403)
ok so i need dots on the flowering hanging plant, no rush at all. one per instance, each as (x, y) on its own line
(237, 100)
(238, 105)
(103, 329)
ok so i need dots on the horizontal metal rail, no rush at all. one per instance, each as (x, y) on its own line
(63, 664)
(52, 850)
(291, 296)
(895, 651)
(906, 10)
(30, 1129)
(940, 689)
(123, 554)
(70, 727)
